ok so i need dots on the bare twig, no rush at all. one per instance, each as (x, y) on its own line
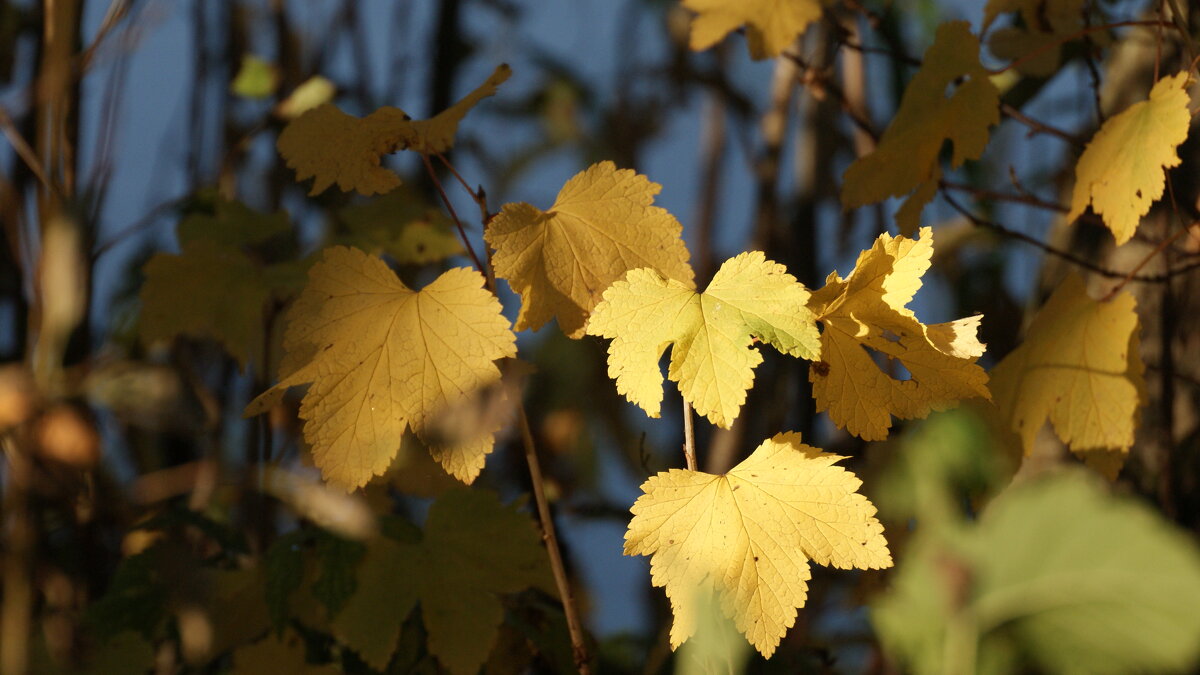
(1037, 127)
(574, 626)
(24, 151)
(993, 195)
(833, 89)
(895, 56)
(1042, 49)
(570, 609)
(1132, 275)
(453, 214)
(145, 221)
(689, 437)
(1067, 255)
(16, 610)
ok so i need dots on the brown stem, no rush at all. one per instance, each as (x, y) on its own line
(1066, 255)
(570, 610)
(833, 89)
(1162, 245)
(462, 233)
(574, 626)
(16, 611)
(1036, 127)
(1042, 49)
(993, 195)
(24, 151)
(689, 437)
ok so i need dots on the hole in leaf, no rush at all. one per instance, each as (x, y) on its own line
(893, 368)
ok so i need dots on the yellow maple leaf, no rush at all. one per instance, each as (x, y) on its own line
(332, 147)
(925, 121)
(1122, 170)
(1080, 368)
(602, 225)
(713, 357)
(866, 310)
(771, 25)
(381, 357)
(749, 535)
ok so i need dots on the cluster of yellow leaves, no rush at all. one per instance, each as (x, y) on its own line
(333, 147)
(222, 287)
(472, 549)
(867, 310)
(382, 358)
(602, 225)
(771, 25)
(1121, 172)
(748, 536)
(907, 156)
(1079, 367)
(713, 357)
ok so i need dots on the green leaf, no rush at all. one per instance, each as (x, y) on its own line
(1056, 571)
(338, 578)
(255, 79)
(134, 601)
(126, 653)
(284, 568)
(233, 224)
(402, 225)
(213, 288)
(473, 548)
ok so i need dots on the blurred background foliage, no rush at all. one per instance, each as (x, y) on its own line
(153, 238)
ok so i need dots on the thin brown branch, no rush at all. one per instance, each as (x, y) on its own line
(485, 217)
(1067, 255)
(1037, 127)
(994, 195)
(553, 550)
(147, 220)
(117, 10)
(895, 56)
(689, 437)
(25, 151)
(1090, 48)
(574, 626)
(814, 76)
(16, 610)
(1162, 245)
(453, 214)
(1042, 49)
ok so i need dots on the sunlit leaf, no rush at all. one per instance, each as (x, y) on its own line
(382, 358)
(866, 312)
(712, 333)
(748, 536)
(1122, 170)
(1079, 368)
(602, 225)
